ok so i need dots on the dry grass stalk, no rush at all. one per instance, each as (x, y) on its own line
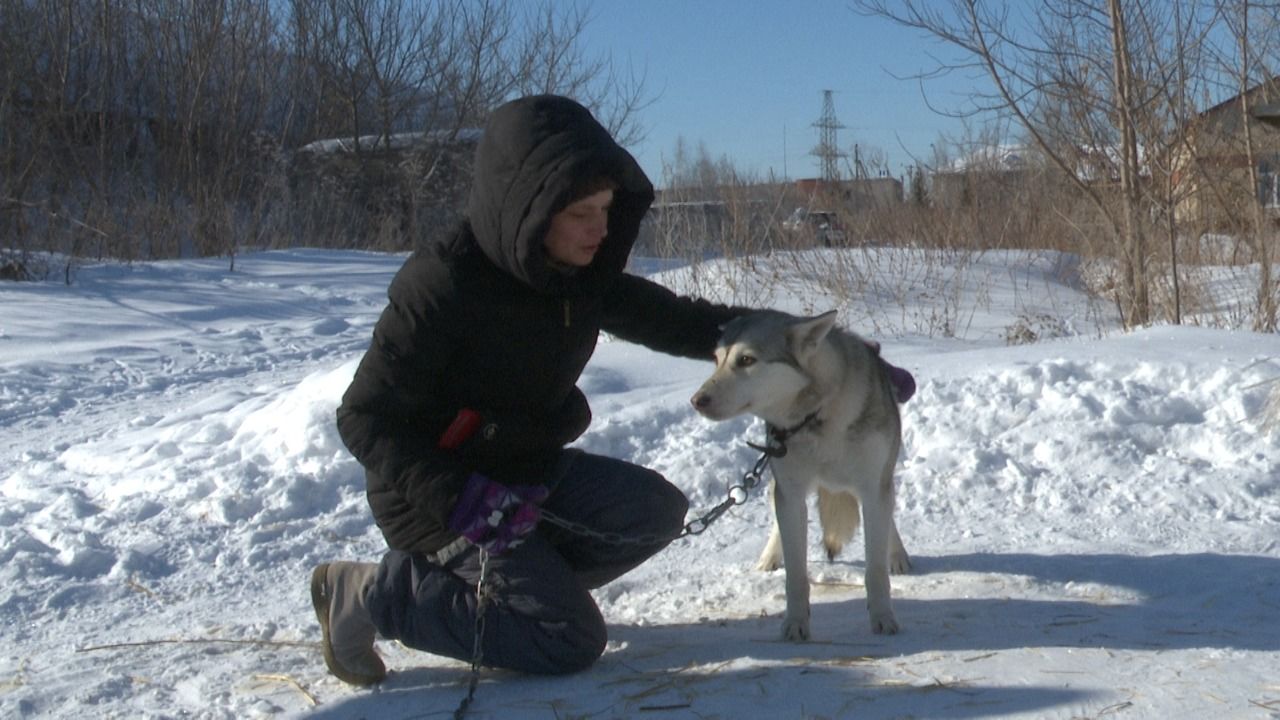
(287, 680)
(677, 679)
(18, 680)
(133, 584)
(200, 641)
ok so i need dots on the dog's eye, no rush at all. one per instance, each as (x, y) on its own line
(746, 361)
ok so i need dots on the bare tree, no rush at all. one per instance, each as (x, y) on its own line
(548, 59)
(1089, 89)
(1174, 150)
(383, 61)
(1126, 105)
(160, 127)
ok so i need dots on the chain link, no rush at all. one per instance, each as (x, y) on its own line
(736, 494)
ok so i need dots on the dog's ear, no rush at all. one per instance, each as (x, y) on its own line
(807, 333)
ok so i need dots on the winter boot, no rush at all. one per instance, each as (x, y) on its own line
(337, 593)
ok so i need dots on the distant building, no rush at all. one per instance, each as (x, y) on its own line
(1213, 176)
(389, 192)
(987, 176)
(852, 195)
(698, 228)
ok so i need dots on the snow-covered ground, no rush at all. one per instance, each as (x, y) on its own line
(1094, 518)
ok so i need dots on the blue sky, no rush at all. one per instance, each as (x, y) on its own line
(746, 77)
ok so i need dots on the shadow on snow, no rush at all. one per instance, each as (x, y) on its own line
(738, 666)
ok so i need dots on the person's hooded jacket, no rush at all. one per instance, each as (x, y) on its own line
(486, 321)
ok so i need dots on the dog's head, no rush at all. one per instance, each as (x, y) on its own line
(761, 364)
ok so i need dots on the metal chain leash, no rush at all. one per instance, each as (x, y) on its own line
(737, 494)
(477, 649)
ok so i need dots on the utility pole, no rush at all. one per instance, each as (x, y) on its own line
(784, 151)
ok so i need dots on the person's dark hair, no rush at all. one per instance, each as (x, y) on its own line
(591, 186)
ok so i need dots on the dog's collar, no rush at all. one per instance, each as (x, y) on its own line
(777, 437)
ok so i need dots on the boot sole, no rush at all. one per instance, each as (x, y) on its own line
(320, 601)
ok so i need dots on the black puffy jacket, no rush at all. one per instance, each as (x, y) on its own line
(484, 321)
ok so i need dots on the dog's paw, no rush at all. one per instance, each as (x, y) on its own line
(769, 562)
(884, 624)
(899, 563)
(795, 629)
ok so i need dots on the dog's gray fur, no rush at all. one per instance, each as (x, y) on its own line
(783, 369)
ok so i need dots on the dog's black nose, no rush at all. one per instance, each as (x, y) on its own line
(700, 400)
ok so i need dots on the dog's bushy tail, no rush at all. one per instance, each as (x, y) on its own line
(839, 514)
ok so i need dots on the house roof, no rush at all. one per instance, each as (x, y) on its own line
(997, 157)
(395, 141)
(1273, 84)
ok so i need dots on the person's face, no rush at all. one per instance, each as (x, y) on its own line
(578, 231)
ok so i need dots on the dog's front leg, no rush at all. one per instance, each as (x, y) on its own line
(771, 556)
(792, 514)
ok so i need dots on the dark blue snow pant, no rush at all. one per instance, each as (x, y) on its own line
(541, 617)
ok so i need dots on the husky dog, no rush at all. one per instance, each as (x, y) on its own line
(832, 424)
